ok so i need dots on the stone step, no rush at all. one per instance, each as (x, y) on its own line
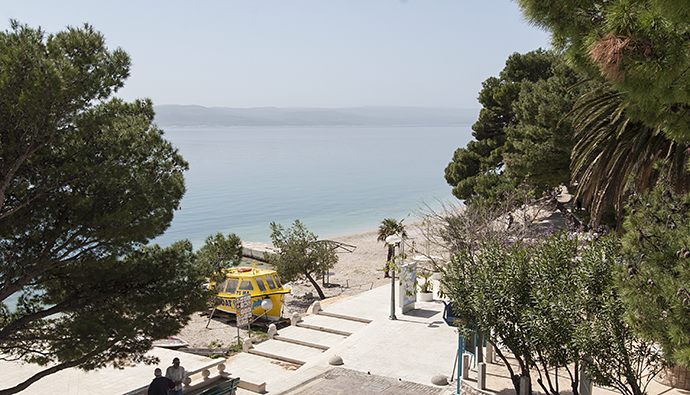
(311, 336)
(344, 317)
(254, 351)
(333, 323)
(323, 329)
(300, 342)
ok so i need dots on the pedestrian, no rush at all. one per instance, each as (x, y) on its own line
(177, 374)
(160, 385)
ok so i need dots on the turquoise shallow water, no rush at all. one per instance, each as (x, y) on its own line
(337, 180)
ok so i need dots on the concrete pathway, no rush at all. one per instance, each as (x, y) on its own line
(376, 355)
(412, 349)
(106, 381)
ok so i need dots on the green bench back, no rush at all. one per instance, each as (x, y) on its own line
(226, 388)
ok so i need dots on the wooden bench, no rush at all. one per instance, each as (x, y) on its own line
(226, 388)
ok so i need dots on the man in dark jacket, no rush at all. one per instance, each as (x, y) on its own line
(161, 384)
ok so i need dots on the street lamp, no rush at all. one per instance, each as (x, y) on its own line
(393, 240)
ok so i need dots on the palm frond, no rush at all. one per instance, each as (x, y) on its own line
(614, 156)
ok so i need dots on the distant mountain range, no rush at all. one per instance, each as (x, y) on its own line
(191, 115)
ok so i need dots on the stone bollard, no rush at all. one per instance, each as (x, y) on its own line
(524, 385)
(585, 387)
(295, 318)
(272, 331)
(481, 375)
(314, 308)
(465, 366)
(246, 345)
(221, 370)
(490, 353)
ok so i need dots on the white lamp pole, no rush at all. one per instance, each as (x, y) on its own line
(393, 240)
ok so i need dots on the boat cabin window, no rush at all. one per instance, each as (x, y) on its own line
(271, 283)
(260, 283)
(230, 286)
(246, 285)
(278, 281)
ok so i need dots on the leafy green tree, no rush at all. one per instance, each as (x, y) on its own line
(301, 254)
(219, 252)
(520, 136)
(553, 305)
(85, 181)
(540, 140)
(656, 284)
(640, 47)
(390, 227)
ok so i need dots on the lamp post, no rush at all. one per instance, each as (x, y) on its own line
(393, 240)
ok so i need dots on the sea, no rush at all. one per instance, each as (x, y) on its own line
(336, 180)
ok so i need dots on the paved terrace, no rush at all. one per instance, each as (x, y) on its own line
(379, 356)
(106, 381)
(375, 350)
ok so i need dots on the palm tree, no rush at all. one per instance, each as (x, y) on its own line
(614, 156)
(389, 227)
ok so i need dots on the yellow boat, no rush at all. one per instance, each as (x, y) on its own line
(261, 284)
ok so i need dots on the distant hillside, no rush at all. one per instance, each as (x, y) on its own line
(190, 115)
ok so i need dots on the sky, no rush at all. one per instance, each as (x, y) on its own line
(300, 53)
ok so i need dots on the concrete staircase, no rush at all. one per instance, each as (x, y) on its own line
(292, 347)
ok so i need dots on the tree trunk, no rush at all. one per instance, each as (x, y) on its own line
(316, 286)
(389, 258)
(513, 377)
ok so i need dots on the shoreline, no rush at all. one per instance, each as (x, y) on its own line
(354, 273)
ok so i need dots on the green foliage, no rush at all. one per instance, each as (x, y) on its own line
(426, 286)
(520, 136)
(390, 227)
(540, 140)
(656, 284)
(553, 305)
(301, 254)
(220, 252)
(85, 181)
(640, 46)
(615, 156)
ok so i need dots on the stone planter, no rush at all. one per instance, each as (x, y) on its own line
(425, 296)
(675, 376)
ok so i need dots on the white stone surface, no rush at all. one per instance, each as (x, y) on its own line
(414, 348)
(289, 350)
(312, 336)
(102, 381)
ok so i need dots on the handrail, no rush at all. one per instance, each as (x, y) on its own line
(187, 381)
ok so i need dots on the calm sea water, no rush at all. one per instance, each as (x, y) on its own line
(337, 180)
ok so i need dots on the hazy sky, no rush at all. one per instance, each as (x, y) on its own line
(320, 53)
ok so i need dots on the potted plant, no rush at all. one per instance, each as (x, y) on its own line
(426, 288)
